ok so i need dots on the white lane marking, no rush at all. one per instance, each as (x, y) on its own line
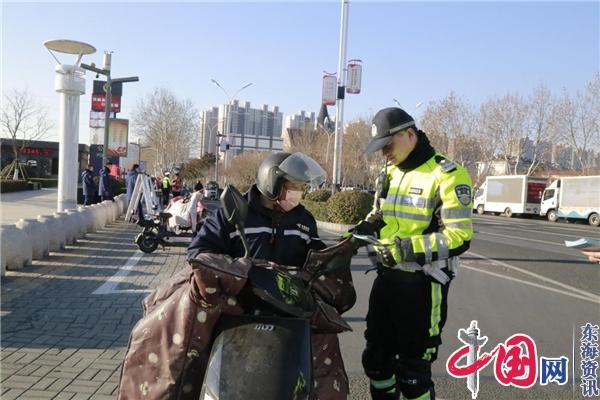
(522, 229)
(533, 284)
(542, 224)
(109, 286)
(590, 296)
(522, 238)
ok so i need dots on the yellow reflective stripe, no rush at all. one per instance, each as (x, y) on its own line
(409, 200)
(402, 214)
(425, 396)
(428, 353)
(383, 384)
(436, 309)
(459, 225)
(456, 212)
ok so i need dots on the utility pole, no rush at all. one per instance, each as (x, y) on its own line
(339, 114)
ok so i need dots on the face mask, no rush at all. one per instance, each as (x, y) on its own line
(290, 200)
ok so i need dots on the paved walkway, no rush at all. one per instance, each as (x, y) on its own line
(27, 204)
(59, 339)
(65, 321)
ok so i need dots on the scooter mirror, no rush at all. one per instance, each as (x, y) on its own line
(234, 206)
(235, 209)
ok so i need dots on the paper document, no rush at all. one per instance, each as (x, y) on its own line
(584, 244)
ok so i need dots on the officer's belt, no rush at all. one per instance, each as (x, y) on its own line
(434, 269)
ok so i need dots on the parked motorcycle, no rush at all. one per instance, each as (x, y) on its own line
(157, 231)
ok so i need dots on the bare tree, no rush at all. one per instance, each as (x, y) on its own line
(23, 120)
(359, 169)
(313, 143)
(168, 125)
(541, 126)
(243, 169)
(451, 126)
(503, 124)
(579, 118)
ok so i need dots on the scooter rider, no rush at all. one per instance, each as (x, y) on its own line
(279, 229)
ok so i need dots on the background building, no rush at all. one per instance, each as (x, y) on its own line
(252, 129)
(40, 157)
(295, 124)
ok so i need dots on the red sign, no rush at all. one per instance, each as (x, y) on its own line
(99, 103)
(29, 151)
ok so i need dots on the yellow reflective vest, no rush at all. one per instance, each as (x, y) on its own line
(427, 211)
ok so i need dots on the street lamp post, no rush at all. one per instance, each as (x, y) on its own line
(230, 102)
(341, 86)
(108, 105)
(69, 81)
(217, 136)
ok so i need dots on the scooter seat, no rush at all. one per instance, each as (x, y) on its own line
(165, 215)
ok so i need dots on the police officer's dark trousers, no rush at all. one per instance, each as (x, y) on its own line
(407, 311)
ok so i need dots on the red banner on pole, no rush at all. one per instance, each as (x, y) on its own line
(99, 102)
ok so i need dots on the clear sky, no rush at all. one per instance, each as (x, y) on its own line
(411, 51)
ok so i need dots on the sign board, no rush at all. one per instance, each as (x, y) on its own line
(116, 90)
(97, 119)
(118, 132)
(329, 90)
(99, 96)
(96, 158)
(354, 76)
(99, 102)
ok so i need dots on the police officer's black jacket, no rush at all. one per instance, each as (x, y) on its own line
(284, 238)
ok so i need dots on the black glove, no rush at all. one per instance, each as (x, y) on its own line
(366, 228)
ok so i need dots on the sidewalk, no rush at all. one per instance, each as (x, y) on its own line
(59, 339)
(27, 204)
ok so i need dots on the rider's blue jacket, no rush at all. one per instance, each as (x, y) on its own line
(284, 238)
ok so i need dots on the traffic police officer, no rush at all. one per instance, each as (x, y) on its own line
(422, 217)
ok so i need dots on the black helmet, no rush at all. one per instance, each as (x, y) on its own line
(280, 167)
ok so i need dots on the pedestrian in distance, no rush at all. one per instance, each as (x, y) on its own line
(89, 187)
(105, 189)
(176, 185)
(166, 188)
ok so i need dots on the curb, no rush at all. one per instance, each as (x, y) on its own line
(19, 246)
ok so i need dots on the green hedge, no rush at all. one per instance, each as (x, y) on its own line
(341, 208)
(7, 186)
(349, 207)
(46, 182)
(318, 195)
(317, 209)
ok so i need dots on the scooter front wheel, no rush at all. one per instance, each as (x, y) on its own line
(146, 243)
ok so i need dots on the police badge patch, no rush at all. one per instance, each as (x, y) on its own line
(463, 193)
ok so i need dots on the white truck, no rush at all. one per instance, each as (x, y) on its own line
(510, 195)
(573, 197)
